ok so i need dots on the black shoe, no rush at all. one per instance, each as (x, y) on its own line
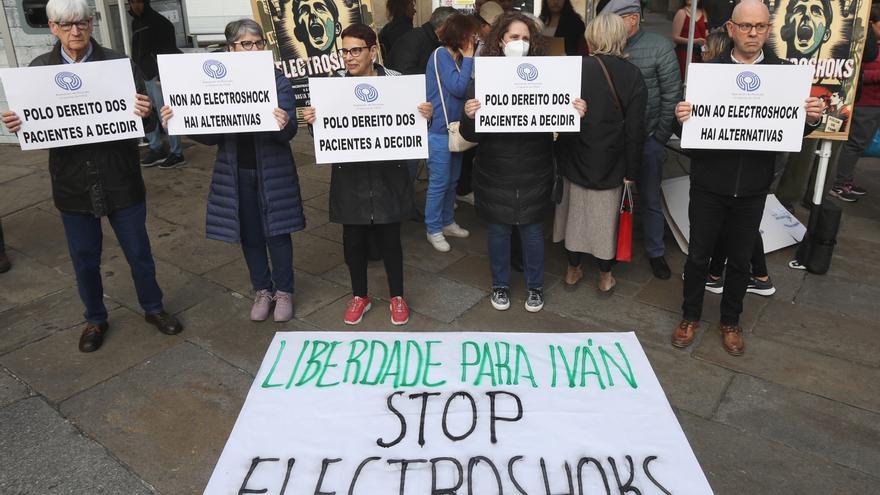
(173, 161)
(5, 265)
(166, 323)
(92, 337)
(660, 268)
(152, 159)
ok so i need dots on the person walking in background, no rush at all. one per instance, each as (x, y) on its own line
(448, 74)
(92, 181)
(401, 13)
(152, 35)
(514, 174)
(655, 57)
(367, 196)
(681, 25)
(561, 21)
(5, 265)
(604, 156)
(254, 197)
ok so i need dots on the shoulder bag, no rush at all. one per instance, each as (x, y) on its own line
(456, 142)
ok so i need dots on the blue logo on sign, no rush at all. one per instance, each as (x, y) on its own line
(366, 93)
(214, 69)
(748, 81)
(527, 72)
(68, 81)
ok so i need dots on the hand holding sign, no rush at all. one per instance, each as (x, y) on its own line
(280, 117)
(815, 109)
(12, 122)
(142, 106)
(683, 111)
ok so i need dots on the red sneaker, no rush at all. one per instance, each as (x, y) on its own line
(356, 309)
(399, 311)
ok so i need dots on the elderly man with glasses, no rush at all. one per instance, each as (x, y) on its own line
(727, 195)
(92, 181)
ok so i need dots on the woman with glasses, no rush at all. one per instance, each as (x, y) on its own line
(370, 197)
(254, 197)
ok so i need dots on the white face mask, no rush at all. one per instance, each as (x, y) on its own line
(516, 48)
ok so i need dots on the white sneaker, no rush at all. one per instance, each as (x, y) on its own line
(467, 198)
(438, 240)
(455, 230)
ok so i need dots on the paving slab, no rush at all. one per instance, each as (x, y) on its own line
(856, 227)
(310, 188)
(164, 187)
(11, 389)
(819, 374)
(319, 202)
(43, 454)
(690, 384)
(818, 330)
(28, 280)
(37, 159)
(168, 418)
(419, 253)
(474, 270)
(39, 234)
(18, 194)
(315, 255)
(330, 231)
(317, 218)
(837, 432)
(482, 317)
(737, 462)
(222, 326)
(377, 319)
(849, 297)
(307, 168)
(56, 369)
(42, 317)
(189, 211)
(189, 250)
(430, 295)
(12, 172)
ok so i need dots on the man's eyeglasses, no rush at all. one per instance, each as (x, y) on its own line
(249, 45)
(67, 26)
(354, 52)
(746, 27)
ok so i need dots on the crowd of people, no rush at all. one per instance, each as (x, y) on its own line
(630, 104)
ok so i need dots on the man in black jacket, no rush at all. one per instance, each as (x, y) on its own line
(152, 35)
(727, 195)
(411, 52)
(91, 181)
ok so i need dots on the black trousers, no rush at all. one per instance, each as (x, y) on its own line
(465, 180)
(356, 248)
(758, 262)
(714, 217)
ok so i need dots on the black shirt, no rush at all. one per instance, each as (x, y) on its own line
(247, 152)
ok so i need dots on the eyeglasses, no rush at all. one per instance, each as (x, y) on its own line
(747, 27)
(354, 52)
(67, 26)
(249, 45)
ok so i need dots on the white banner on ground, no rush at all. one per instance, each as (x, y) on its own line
(65, 105)
(527, 94)
(779, 228)
(370, 413)
(214, 93)
(361, 119)
(746, 107)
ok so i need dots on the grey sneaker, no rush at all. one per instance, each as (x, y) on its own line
(535, 301)
(761, 287)
(714, 285)
(500, 298)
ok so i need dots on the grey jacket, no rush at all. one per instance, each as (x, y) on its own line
(655, 56)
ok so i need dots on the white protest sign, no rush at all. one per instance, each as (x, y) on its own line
(746, 107)
(527, 94)
(360, 119)
(70, 104)
(213, 93)
(370, 413)
(779, 228)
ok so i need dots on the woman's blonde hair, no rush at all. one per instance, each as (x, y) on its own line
(606, 35)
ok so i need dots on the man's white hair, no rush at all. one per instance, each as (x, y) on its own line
(68, 10)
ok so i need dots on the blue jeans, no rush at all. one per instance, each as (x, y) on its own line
(154, 91)
(444, 167)
(84, 241)
(532, 236)
(650, 176)
(254, 241)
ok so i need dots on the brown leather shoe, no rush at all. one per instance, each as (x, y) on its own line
(165, 322)
(573, 275)
(684, 333)
(606, 281)
(92, 337)
(732, 339)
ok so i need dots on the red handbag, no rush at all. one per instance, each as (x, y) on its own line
(625, 226)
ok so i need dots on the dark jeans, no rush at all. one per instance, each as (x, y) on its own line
(648, 186)
(532, 236)
(355, 245)
(85, 240)
(254, 242)
(758, 262)
(865, 121)
(714, 217)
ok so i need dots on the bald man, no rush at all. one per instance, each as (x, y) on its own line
(727, 195)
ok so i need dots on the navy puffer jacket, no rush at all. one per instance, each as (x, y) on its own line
(279, 182)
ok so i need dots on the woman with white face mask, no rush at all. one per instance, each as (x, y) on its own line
(513, 173)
